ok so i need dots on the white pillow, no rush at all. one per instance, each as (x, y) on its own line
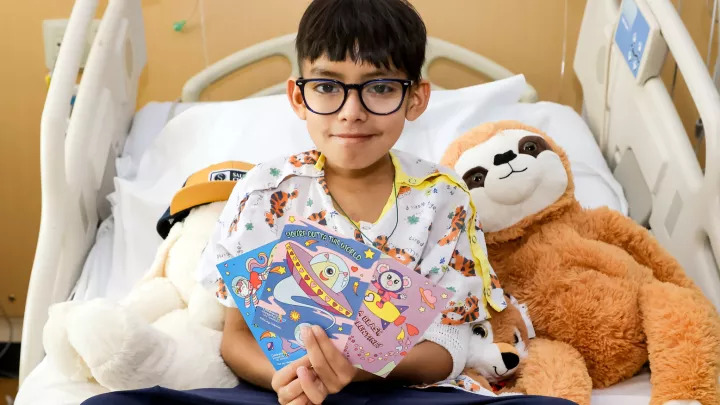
(255, 130)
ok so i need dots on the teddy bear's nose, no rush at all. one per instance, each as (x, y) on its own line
(511, 360)
(502, 158)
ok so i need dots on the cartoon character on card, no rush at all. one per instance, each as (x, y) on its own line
(320, 278)
(390, 285)
(247, 289)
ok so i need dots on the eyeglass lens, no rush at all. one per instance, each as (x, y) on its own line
(380, 97)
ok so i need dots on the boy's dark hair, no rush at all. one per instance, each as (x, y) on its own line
(387, 33)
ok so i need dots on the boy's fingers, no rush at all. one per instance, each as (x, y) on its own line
(288, 373)
(320, 364)
(301, 400)
(341, 367)
(312, 386)
(290, 392)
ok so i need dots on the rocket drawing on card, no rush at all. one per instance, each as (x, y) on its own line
(246, 276)
(398, 306)
(322, 280)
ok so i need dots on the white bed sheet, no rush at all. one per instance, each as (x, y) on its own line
(45, 385)
(104, 271)
(95, 279)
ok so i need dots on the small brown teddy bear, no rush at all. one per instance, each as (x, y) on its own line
(591, 278)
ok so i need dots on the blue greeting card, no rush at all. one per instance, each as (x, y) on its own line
(246, 276)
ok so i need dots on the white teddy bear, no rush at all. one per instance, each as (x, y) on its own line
(168, 330)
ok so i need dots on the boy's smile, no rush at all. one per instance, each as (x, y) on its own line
(353, 138)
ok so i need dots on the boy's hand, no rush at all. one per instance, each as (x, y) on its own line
(332, 369)
(287, 386)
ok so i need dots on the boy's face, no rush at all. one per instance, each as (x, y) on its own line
(354, 138)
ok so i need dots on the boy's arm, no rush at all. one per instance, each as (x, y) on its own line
(426, 363)
(242, 353)
(456, 260)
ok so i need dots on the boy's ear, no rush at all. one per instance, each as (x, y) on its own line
(295, 97)
(418, 98)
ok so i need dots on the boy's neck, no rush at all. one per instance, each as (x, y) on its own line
(376, 173)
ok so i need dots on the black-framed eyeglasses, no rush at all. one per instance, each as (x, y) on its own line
(328, 96)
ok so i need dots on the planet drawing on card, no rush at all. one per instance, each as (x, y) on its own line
(428, 298)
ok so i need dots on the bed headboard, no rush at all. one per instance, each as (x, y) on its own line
(285, 46)
(632, 115)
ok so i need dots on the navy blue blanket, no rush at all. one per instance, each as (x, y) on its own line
(370, 393)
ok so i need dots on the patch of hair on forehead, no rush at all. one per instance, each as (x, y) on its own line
(387, 34)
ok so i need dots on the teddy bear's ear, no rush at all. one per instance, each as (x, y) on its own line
(524, 313)
(157, 269)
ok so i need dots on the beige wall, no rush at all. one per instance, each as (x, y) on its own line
(523, 35)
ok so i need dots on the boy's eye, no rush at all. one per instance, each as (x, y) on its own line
(326, 87)
(380, 88)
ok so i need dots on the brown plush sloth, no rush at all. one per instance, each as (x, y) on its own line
(592, 278)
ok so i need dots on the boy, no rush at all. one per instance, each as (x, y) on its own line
(355, 95)
(360, 62)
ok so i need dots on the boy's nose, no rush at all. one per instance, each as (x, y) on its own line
(353, 109)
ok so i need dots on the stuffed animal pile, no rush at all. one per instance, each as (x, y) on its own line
(168, 330)
(504, 358)
(592, 278)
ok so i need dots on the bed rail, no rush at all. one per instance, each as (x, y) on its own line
(285, 46)
(643, 138)
(77, 156)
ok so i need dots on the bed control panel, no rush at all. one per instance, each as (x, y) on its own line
(638, 37)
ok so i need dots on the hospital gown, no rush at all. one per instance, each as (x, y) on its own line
(433, 229)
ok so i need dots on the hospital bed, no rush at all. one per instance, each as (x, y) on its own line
(108, 171)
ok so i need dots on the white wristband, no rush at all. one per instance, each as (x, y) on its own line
(454, 339)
